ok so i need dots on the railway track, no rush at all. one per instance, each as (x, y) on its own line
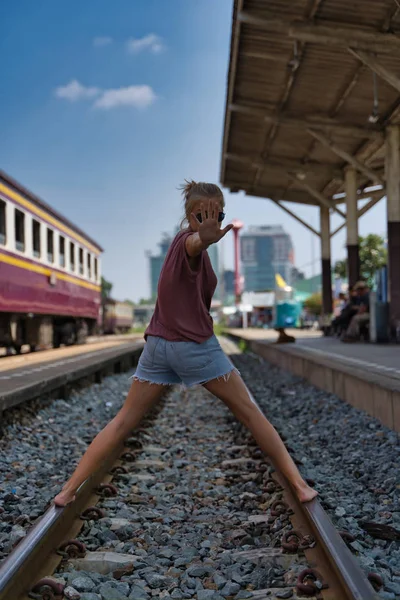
(284, 549)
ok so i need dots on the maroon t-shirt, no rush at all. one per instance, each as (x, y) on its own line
(182, 312)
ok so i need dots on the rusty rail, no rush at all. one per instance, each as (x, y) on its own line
(342, 575)
(35, 556)
(29, 561)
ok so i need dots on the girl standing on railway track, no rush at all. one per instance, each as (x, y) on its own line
(181, 346)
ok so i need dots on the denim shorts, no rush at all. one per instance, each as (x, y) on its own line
(187, 363)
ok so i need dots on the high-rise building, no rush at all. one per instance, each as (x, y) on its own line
(229, 281)
(156, 263)
(265, 251)
(213, 254)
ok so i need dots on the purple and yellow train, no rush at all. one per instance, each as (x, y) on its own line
(50, 273)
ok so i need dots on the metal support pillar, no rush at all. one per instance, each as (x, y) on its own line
(327, 307)
(393, 215)
(353, 260)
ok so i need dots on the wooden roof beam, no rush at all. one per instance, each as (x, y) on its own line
(368, 59)
(286, 164)
(292, 214)
(347, 157)
(317, 195)
(280, 193)
(324, 123)
(273, 56)
(333, 34)
(374, 200)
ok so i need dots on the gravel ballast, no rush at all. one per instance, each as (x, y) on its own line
(184, 511)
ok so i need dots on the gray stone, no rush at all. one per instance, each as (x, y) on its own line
(138, 593)
(154, 580)
(181, 562)
(103, 562)
(71, 593)
(243, 594)
(83, 584)
(357, 546)
(17, 534)
(230, 588)
(166, 553)
(90, 596)
(393, 587)
(198, 571)
(109, 592)
(219, 580)
(209, 595)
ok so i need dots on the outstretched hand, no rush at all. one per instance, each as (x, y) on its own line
(209, 229)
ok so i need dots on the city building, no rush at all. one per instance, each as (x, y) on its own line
(229, 282)
(213, 254)
(156, 262)
(265, 251)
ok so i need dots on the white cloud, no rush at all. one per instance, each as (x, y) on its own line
(99, 42)
(151, 42)
(74, 91)
(138, 96)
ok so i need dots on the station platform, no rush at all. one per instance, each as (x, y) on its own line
(365, 375)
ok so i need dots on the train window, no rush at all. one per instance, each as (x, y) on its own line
(72, 256)
(36, 238)
(50, 245)
(61, 254)
(2, 222)
(89, 265)
(96, 269)
(19, 230)
(80, 261)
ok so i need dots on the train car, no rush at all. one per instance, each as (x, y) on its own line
(118, 316)
(50, 273)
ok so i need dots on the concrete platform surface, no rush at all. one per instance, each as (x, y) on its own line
(380, 357)
(366, 376)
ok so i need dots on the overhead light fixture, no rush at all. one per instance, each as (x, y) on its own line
(374, 116)
(294, 62)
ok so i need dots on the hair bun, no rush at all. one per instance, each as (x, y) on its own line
(187, 187)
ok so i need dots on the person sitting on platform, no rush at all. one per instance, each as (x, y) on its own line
(361, 318)
(348, 310)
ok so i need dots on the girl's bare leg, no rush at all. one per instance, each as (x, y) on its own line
(234, 394)
(141, 398)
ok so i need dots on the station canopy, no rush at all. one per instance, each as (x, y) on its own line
(312, 84)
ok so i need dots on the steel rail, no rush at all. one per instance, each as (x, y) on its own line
(28, 562)
(345, 578)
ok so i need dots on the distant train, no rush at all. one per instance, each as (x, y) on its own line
(118, 316)
(50, 274)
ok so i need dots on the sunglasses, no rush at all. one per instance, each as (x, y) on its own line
(221, 217)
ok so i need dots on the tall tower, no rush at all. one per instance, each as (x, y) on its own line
(237, 226)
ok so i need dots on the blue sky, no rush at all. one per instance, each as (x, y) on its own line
(106, 107)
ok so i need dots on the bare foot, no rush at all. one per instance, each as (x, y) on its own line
(64, 498)
(305, 493)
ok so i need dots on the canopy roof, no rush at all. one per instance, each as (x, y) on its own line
(311, 86)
